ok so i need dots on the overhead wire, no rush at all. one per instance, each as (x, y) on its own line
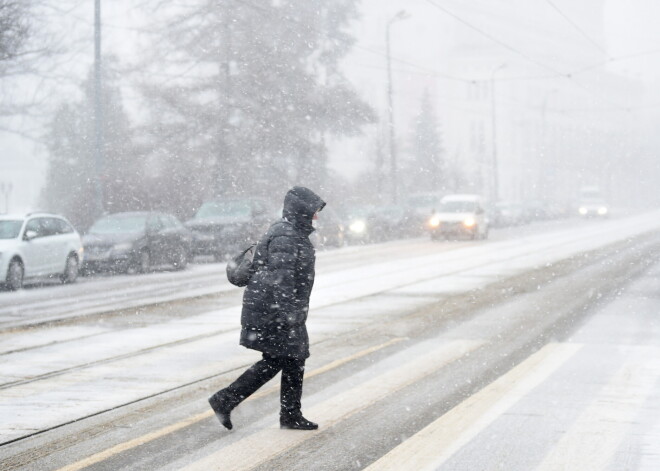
(524, 55)
(579, 30)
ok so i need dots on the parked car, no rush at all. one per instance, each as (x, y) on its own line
(136, 241)
(223, 226)
(38, 245)
(459, 216)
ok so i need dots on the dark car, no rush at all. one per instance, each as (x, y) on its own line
(391, 222)
(330, 231)
(223, 226)
(136, 241)
(420, 206)
(508, 213)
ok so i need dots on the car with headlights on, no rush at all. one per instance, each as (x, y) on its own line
(136, 242)
(38, 246)
(359, 225)
(593, 207)
(459, 217)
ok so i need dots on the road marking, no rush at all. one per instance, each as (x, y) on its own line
(432, 446)
(593, 439)
(266, 444)
(136, 442)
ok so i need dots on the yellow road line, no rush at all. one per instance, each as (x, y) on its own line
(267, 444)
(429, 448)
(136, 442)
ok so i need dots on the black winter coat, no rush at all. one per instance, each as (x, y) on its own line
(276, 300)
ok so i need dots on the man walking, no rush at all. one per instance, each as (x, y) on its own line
(275, 306)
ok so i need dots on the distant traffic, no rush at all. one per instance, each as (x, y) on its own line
(44, 246)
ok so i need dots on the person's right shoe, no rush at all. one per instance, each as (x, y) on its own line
(296, 422)
(222, 411)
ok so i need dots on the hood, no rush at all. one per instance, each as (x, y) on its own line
(300, 204)
(111, 239)
(454, 217)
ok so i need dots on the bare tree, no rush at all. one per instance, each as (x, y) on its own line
(14, 30)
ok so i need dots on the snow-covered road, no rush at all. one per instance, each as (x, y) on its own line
(55, 375)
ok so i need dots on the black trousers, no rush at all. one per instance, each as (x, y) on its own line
(263, 371)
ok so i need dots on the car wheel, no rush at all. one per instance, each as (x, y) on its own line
(144, 261)
(15, 274)
(71, 270)
(180, 259)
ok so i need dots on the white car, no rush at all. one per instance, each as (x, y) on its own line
(459, 216)
(38, 245)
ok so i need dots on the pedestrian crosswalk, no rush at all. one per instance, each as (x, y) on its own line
(264, 445)
(589, 442)
(587, 403)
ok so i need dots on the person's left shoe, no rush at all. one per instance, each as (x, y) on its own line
(296, 422)
(222, 411)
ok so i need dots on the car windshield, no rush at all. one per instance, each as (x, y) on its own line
(224, 210)
(10, 229)
(457, 207)
(119, 225)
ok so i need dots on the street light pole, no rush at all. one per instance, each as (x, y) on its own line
(402, 15)
(495, 189)
(98, 109)
(544, 185)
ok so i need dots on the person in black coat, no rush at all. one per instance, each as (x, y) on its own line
(275, 306)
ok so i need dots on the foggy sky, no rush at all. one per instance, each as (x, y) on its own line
(425, 40)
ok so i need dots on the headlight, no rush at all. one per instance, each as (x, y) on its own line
(582, 210)
(358, 227)
(434, 221)
(602, 210)
(469, 222)
(124, 247)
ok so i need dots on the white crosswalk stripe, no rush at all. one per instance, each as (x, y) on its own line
(592, 440)
(433, 445)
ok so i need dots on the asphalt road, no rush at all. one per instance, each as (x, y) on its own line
(528, 351)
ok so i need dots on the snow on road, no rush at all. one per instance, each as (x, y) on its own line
(589, 403)
(100, 369)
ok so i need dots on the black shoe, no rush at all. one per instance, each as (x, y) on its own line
(222, 412)
(297, 422)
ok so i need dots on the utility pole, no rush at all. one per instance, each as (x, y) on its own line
(98, 110)
(402, 15)
(545, 172)
(495, 189)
